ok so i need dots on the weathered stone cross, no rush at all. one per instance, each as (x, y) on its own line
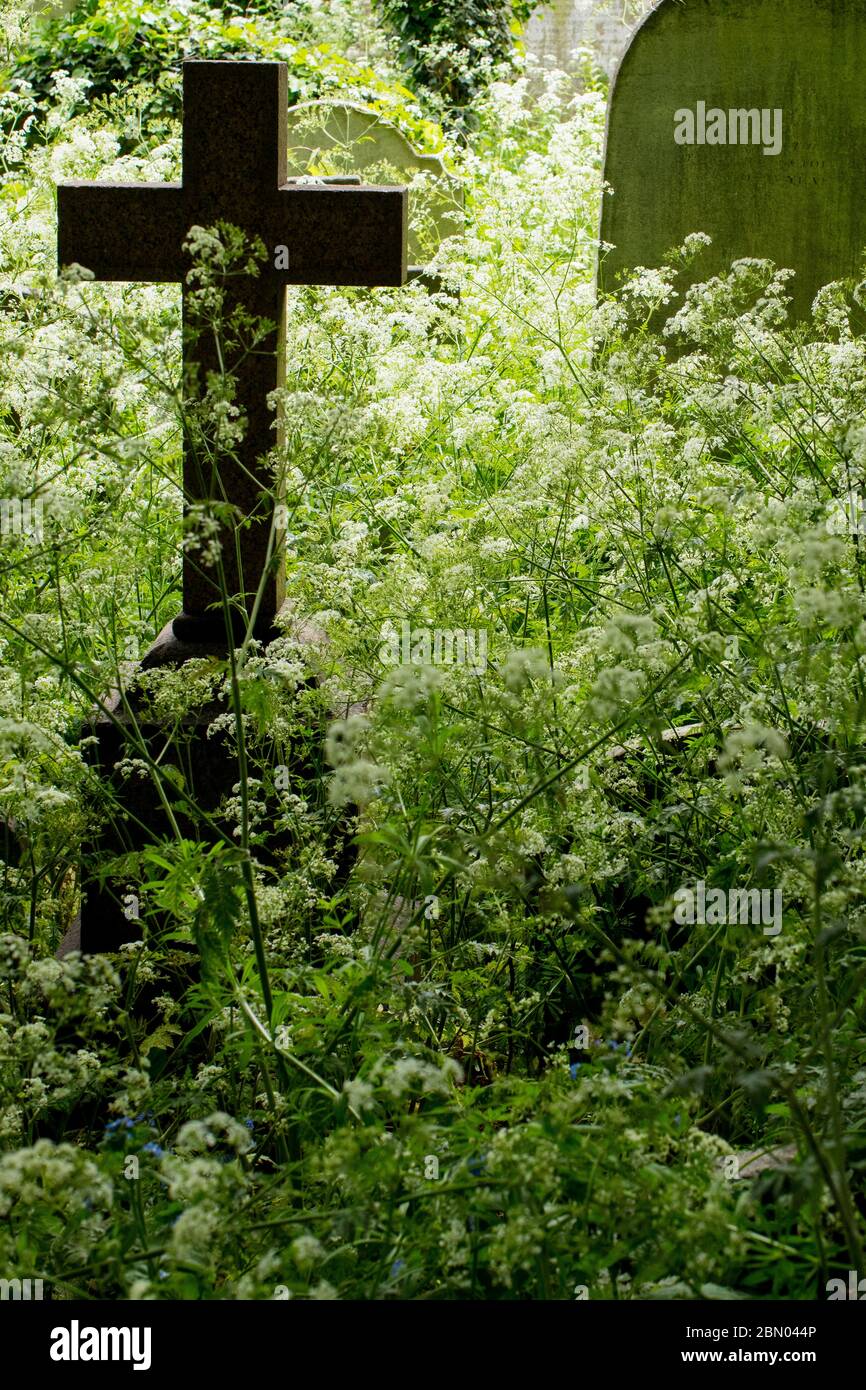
(235, 119)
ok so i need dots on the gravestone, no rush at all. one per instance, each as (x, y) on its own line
(51, 9)
(333, 138)
(234, 170)
(744, 119)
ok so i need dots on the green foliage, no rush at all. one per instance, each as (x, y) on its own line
(132, 46)
(452, 46)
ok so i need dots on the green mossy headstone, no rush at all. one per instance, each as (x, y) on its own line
(786, 185)
(329, 137)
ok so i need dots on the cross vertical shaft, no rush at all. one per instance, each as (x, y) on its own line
(234, 142)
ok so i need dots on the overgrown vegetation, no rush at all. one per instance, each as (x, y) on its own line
(107, 47)
(366, 1075)
(452, 46)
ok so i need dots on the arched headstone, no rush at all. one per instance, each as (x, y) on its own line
(331, 138)
(745, 119)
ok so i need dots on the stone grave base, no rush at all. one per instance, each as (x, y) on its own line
(109, 913)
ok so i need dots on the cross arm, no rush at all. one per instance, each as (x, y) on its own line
(340, 235)
(122, 231)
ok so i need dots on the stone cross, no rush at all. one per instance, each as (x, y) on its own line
(235, 117)
(743, 119)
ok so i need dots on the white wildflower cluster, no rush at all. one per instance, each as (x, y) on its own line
(218, 1129)
(193, 1233)
(615, 690)
(747, 750)
(57, 1176)
(410, 688)
(359, 1094)
(524, 667)
(356, 780)
(414, 1074)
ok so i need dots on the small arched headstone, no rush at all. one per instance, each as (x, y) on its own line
(329, 139)
(744, 119)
